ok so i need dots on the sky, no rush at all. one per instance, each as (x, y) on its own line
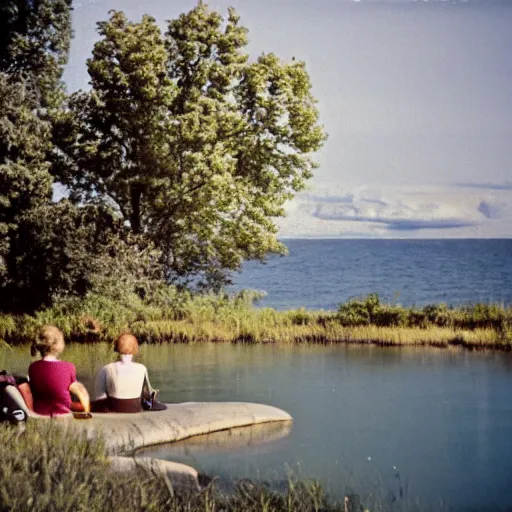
(416, 97)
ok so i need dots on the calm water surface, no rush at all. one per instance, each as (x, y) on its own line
(442, 418)
(319, 274)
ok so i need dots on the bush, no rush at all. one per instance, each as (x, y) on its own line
(390, 316)
(353, 313)
(438, 314)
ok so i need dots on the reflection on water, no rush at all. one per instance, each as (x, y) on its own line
(441, 417)
(248, 439)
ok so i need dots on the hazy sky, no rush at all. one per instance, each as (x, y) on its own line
(416, 97)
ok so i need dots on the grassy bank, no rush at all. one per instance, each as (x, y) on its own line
(180, 318)
(45, 469)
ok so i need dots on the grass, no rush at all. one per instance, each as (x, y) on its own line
(183, 318)
(50, 468)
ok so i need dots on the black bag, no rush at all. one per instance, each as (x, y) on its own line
(150, 403)
(10, 409)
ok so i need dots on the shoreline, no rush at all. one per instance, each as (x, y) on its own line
(180, 332)
(222, 319)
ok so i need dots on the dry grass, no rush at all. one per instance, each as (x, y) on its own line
(209, 318)
(213, 332)
(46, 468)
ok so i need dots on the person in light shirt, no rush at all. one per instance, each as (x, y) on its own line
(119, 386)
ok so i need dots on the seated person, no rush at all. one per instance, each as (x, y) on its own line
(51, 380)
(122, 385)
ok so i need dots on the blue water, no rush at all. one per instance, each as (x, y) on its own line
(322, 273)
(423, 425)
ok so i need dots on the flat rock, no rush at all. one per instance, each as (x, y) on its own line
(176, 473)
(125, 433)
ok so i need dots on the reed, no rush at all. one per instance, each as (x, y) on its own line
(48, 467)
(218, 318)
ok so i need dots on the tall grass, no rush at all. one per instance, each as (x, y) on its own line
(51, 468)
(185, 318)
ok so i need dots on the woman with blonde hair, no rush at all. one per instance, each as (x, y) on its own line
(119, 386)
(52, 380)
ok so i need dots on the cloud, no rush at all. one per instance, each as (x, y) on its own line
(347, 198)
(495, 209)
(394, 223)
(412, 225)
(405, 211)
(394, 208)
(486, 186)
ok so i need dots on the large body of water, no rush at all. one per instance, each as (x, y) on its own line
(319, 274)
(403, 424)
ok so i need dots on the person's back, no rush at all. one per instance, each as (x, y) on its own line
(50, 381)
(118, 386)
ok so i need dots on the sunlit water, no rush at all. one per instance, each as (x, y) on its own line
(322, 273)
(442, 418)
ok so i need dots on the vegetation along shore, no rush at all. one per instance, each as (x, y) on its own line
(66, 471)
(182, 317)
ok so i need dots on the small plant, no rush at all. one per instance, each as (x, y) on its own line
(51, 467)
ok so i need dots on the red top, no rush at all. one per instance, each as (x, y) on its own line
(50, 381)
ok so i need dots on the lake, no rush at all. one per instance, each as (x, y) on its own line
(441, 417)
(322, 273)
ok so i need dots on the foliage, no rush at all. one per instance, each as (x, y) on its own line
(170, 315)
(50, 250)
(25, 182)
(52, 468)
(34, 40)
(370, 311)
(61, 250)
(197, 147)
(34, 44)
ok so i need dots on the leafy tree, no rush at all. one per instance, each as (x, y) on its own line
(34, 44)
(34, 41)
(49, 250)
(197, 147)
(25, 181)
(61, 250)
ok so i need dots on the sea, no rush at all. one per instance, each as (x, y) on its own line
(322, 273)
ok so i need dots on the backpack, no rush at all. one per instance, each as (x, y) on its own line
(11, 409)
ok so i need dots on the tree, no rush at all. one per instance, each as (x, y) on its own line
(60, 250)
(197, 147)
(34, 45)
(48, 249)
(34, 41)
(25, 181)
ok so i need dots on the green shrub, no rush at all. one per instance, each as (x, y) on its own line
(47, 468)
(438, 314)
(353, 313)
(300, 317)
(390, 316)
